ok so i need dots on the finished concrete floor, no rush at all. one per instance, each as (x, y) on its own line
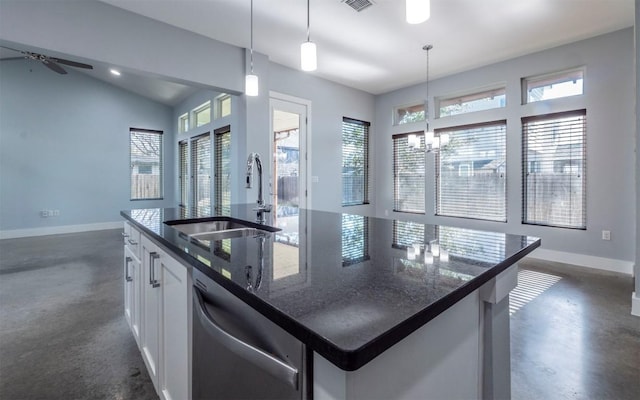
(63, 334)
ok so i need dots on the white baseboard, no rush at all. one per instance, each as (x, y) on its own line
(582, 260)
(635, 304)
(54, 230)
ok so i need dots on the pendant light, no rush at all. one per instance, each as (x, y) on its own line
(308, 57)
(251, 80)
(429, 138)
(418, 11)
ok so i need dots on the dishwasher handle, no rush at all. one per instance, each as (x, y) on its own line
(256, 356)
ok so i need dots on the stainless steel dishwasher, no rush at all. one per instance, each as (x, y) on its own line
(238, 353)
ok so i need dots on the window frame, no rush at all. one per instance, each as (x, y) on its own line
(218, 108)
(438, 167)
(551, 78)
(218, 194)
(470, 97)
(183, 123)
(183, 174)
(397, 121)
(582, 173)
(200, 109)
(396, 183)
(197, 210)
(160, 156)
(364, 147)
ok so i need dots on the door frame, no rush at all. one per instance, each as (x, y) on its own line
(305, 164)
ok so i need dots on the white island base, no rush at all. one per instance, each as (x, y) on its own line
(464, 353)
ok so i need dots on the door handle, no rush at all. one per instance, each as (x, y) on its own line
(254, 355)
(153, 256)
(126, 269)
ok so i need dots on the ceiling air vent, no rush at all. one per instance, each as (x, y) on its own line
(358, 5)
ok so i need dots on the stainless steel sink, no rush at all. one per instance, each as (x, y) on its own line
(218, 228)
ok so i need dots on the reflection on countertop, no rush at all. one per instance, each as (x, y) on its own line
(341, 282)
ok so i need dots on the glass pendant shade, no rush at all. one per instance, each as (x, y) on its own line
(251, 85)
(418, 11)
(308, 58)
(428, 137)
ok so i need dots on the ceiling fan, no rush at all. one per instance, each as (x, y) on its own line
(53, 63)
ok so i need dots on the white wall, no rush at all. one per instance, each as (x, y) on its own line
(64, 144)
(608, 98)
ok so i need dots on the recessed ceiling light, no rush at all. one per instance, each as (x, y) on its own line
(115, 72)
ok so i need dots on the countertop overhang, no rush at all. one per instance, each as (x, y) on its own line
(348, 286)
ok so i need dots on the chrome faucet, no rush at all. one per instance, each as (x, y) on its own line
(261, 208)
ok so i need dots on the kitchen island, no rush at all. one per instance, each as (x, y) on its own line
(385, 308)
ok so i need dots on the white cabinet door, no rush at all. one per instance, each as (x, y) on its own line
(150, 306)
(132, 292)
(175, 329)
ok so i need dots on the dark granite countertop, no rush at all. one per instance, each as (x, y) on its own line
(347, 286)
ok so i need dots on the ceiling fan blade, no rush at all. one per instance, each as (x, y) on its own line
(12, 58)
(54, 67)
(71, 63)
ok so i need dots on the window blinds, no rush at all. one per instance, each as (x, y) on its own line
(222, 172)
(201, 175)
(355, 239)
(408, 175)
(554, 164)
(183, 155)
(145, 161)
(471, 172)
(355, 162)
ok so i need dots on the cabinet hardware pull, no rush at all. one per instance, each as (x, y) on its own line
(125, 235)
(132, 242)
(152, 272)
(126, 269)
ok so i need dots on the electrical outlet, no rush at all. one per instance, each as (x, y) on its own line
(606, 235)
(44, 213)
(56, 213)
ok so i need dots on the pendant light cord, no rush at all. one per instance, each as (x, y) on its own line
(251, 49)
(426, 117)
(308, 30)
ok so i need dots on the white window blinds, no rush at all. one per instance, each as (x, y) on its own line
(554, 163)
(183, 173)
(471, 172)
(222, 170)
(145, 161)
(201, 175)
(355, 162)
(408, 175)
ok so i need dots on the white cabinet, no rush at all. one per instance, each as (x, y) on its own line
(165, 341)
(132, 279)
(132, 292)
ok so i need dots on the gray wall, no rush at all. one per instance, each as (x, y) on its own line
(64, 144)
(608, 98)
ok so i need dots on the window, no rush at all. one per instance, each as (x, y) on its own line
(202, 114)
(409, 113)
(145, 160)
(201, 175)
(485, 100)
(408, 175)
(554, 161)
(222, 172)
(355, 162)
(223, 105)
(355, 239)
(183, 123)
(471, 172)
(183, 173)
(552, 86)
